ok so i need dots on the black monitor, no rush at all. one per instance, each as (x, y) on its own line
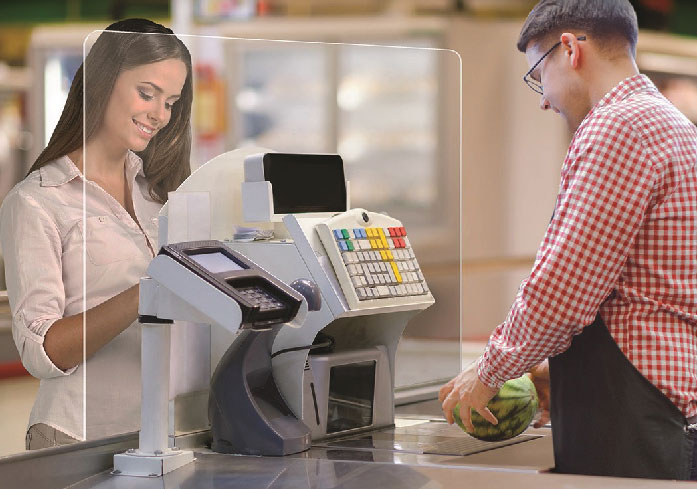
(304, 183)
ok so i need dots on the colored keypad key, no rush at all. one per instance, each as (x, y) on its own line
(380, 262)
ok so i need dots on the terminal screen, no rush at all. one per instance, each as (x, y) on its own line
(306, 183)
(216, 262)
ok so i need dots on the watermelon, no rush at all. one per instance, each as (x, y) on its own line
(514, 406)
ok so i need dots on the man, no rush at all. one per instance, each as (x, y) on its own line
(612, 296)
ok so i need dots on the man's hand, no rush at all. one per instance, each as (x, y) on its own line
(540, 377)
(470, 392)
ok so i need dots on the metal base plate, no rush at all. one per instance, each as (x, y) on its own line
(146, 465)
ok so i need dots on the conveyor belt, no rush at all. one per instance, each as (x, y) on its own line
(433, 438)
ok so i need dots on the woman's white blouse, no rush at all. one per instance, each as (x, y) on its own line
(42, 232)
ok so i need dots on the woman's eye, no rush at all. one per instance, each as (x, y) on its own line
(145, 96)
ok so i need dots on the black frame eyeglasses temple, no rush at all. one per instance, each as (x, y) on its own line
(534, 85)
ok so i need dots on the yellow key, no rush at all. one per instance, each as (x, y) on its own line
(383, 255)
(370, 232)
(385, 244)
(389, 255)
(397, 275)
(373, 244)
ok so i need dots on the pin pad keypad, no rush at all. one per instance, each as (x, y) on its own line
(258, 296)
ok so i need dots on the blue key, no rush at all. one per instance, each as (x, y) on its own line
(337, 234)
(363, 233)
(343, 245)
(357, 233)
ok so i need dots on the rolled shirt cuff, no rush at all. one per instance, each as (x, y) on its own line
(31, 349)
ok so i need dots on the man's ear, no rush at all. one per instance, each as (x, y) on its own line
(572, 49)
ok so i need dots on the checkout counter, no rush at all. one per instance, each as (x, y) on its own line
(303, 331)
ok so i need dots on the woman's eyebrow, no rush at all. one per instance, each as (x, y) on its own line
(156, 87)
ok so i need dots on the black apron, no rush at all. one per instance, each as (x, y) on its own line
(608, 419)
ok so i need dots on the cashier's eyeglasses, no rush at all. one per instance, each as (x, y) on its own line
(535, 85)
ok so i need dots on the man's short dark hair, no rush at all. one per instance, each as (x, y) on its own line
(600, 19)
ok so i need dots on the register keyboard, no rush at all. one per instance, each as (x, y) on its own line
(373, 259)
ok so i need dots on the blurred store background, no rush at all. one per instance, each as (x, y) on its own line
(477, 216)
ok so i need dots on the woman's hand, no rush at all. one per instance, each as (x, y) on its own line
(540, 377)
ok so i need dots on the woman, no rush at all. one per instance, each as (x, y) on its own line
(137, 93)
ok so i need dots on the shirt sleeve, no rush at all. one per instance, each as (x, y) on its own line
(31, 246)
(606, 189)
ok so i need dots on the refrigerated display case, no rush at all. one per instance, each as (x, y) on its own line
(383, 135)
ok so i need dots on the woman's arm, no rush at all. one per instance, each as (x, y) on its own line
(64, 339)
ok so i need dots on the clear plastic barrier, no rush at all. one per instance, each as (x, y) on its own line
(391, 112)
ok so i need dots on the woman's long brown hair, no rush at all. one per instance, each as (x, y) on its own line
(125, 45)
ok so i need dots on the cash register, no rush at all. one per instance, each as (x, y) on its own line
(335, 373)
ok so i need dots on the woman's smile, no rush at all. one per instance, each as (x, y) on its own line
(146, 131)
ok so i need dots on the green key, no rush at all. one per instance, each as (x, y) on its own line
(350, 245)
(345, 233)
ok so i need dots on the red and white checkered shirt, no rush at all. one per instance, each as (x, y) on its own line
(622, 243)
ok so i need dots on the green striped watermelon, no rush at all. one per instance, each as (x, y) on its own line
(514, 406)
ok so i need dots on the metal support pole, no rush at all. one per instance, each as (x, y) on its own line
(155, 385)
(153, 458)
